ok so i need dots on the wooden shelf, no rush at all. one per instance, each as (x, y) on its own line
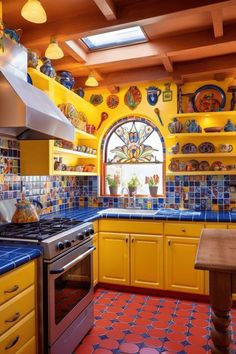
(201, 155)
(79, 154)
(74, 173)
(199, 173)
(84, 135)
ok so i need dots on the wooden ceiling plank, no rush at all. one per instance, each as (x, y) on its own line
(107, 7)
(142, 13)
(167, 63)
(217, 21)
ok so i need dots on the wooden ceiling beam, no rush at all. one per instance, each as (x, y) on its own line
(217, 21)
(75, 51)
(167, 63)
(142, 13)
(190, 70)
(107, 7)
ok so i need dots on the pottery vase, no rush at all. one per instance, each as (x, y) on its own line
(153, 191)
(32, 59)
(191, 126)
(79, 91)
(47, 68)
(65, 78)
(229, 126)
(175, 126)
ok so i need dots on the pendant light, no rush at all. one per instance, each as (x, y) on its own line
(91, 81)
(53, 50)
(33, 11)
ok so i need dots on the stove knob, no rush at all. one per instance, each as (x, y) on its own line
(87, 233)
(91, 231)
(80, 237)
(67, 243)
(60, 246)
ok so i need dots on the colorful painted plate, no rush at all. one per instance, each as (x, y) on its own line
(209, 98)
(112, 101)
(206, 148)
(192, 165)
(204, 166)
(189, 149)
(96, 99)
(218, 166)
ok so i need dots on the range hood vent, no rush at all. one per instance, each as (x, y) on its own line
(25, 111)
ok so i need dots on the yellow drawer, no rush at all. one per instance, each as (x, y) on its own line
(183, 229)
(13, 340)
(15, 281)
(128, 226)
(216, 225)
(28, 348)
(95, 225)
(15, 309)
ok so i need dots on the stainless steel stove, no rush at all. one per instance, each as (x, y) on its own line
(67, 281)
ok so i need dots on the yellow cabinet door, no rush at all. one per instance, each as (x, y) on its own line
(114, 258)
(180, 274)
(95, 260)
(147, 261)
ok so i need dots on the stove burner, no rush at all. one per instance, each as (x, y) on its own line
(38, 231)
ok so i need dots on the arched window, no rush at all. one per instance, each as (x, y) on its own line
(133, 150)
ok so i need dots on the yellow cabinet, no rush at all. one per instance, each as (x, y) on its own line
(17, 309)
(180, 274)
(146, 261)
(95, 260)
(114, 258)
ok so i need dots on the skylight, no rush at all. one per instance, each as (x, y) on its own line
(118, 38)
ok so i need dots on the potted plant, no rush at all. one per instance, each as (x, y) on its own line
(113, 183)
(153, 184)
(133, 185)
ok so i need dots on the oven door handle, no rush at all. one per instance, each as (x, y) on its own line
(76, 260)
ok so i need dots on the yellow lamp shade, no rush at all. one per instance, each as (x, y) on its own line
(91, 81)
(33, 11)
(53, 51)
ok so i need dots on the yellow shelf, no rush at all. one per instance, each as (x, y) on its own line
(79, 154)
(74, 173)
(84, 135)
(206, 114)
(201, 155)
(196, 135)
(199, 173)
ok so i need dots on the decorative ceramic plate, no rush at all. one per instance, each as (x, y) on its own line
(192, 165)
(174, 166)
(204, 166)
(133, 97)
(112, 101)
(213, 129)
(189, 149)
(96, 99)
(217, 166)
(209, 98)
(206, 148)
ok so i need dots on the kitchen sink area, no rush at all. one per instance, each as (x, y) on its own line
(127, 211)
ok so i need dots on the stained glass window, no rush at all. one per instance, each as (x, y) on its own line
(134, 148)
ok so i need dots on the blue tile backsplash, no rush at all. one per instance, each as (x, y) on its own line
(58, 193)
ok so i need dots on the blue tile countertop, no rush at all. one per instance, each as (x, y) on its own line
(14, 255)
(91, 214)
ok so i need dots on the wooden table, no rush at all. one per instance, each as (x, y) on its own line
(217, 253)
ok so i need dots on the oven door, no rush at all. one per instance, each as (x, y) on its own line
(69, 289)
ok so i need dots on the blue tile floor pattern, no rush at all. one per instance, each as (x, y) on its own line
(134, 323)
(14, 255)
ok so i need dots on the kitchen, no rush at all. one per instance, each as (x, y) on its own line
(76, 150)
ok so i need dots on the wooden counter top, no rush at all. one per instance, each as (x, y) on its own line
(217, 250)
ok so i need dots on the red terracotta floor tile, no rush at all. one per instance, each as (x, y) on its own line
(126, 321)
(128, 348)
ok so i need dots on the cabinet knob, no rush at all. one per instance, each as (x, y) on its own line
(12, 343)
(132, 240)
(126, 240)
(183, 230)
(13, 318)
(169, 243)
